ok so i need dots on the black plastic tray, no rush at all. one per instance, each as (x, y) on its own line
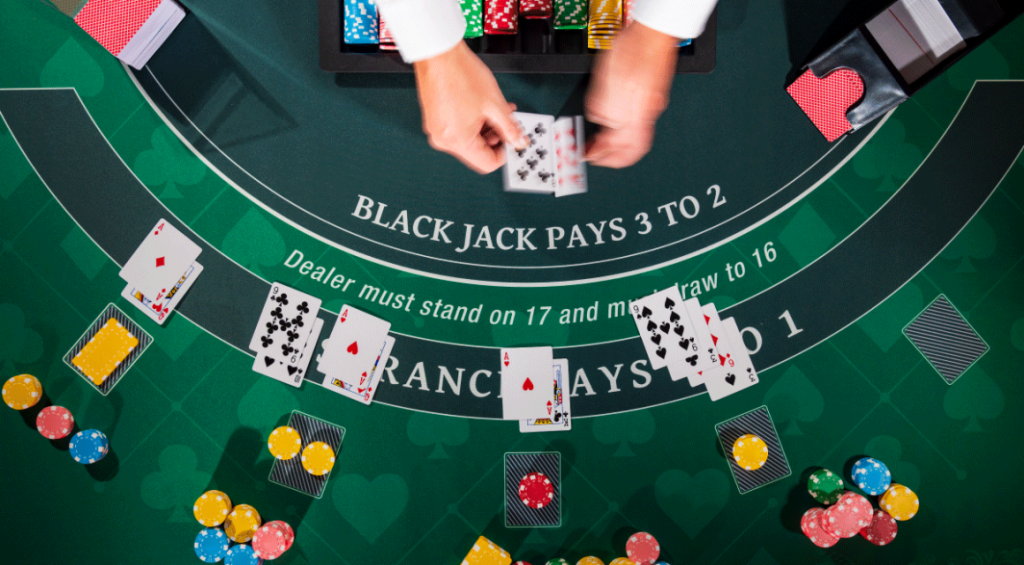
(537, 48)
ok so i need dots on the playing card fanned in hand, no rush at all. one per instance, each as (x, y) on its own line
(553, 161)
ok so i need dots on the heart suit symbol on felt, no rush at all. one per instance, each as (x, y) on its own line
(353, 349)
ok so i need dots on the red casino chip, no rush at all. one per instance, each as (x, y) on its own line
(849, 516)
(521, 563)
(535, 9)
(55, 422)
(268, 542)
(286, 530)
(882, 528)
(643, 549)
(535, 490)
(501, 17)
(811, 525)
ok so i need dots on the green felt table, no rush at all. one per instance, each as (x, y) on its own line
(823, 253)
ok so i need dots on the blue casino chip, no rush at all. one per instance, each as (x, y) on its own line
(361, 22)
(212, 545)
(242, 555)
(871, 476)
(89, 446)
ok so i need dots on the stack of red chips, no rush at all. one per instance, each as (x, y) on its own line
(536, 9)
(501, 17)
(387, 42)
(273, 539)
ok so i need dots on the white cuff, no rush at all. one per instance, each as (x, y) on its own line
(682, 19)
(423, 28)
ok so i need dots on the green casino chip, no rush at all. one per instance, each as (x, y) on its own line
(825, 486)
(557, 562)
(473, 11)
(570, 14)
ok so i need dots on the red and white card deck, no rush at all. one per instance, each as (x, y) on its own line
(132, 30)
(553, 161)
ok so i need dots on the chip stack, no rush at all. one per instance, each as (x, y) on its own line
(89, 446)
(627, 13)
(590, 560)
(242, 523)
(212, 508)
(605, 23)
(871, 476)
(387, 42)
(501, 17)
(361, 22)
(570, 14)
(473, 11)
(621, 561)
(242, 555)
(55, 422)
(847, 517)
(900, 502)
(211, 545)
(882, 528)
(643, 549)
(272, 540)
(825, 486)
(535, 9)
(22, 392)
(811, 525)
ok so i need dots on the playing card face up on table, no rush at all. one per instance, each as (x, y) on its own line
(161, 271)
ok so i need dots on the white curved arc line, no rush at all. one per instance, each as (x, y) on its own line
(477, 282)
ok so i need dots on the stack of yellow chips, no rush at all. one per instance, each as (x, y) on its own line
(105, 351)
(605, 23)
(900, 502)
(242, 523)
(22, 392)
(590, 560)
(621, 561)
(750, 452)
(212, 508)
(284, 443)
(318, 458)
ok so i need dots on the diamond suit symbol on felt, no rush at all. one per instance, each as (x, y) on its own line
(173, 487)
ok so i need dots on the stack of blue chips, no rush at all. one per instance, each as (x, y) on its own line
(361, 23)
(871, 476)
(89, 446)
(242, 555)
(212, 545)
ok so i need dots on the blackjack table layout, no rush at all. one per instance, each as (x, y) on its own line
(877, 283)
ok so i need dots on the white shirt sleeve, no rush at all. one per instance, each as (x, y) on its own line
(682, 19)
(423, 28)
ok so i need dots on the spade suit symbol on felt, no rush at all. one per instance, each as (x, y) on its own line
(353, 348)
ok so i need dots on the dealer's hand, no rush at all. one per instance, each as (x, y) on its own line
(628, 91)
(464, 112)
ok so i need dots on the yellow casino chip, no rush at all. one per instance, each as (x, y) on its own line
(242, 523)
(750, 452)
(22, 391)
(284, 443)
(318, 458)
(212, 508)
(900, 502)
(105, 351)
